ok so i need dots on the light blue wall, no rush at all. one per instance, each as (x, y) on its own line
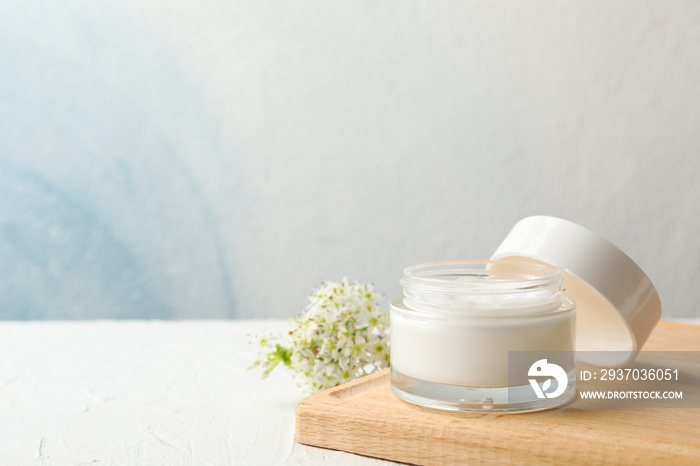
(100, 214)
(219, 158)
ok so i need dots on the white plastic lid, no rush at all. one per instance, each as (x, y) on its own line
(617, 305)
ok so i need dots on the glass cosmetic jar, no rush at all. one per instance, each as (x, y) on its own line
(458, 325)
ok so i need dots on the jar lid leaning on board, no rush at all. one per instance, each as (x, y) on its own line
(617, 305)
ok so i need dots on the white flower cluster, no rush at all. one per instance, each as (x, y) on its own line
(342, 335)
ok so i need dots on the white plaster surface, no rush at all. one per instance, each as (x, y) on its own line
(146, 393)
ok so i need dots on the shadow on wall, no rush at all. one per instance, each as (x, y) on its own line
(99, 217)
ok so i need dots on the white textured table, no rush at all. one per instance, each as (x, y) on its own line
(146, 392)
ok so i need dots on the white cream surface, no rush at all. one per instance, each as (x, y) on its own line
(472, 351)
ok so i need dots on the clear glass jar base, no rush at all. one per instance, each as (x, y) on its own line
(518, 399)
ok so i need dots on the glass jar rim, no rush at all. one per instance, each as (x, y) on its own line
(516, 277)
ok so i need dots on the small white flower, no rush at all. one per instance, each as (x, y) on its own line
(342, 335)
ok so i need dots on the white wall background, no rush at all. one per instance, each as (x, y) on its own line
(280, 144)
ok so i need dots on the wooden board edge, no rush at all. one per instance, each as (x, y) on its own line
(446, 443)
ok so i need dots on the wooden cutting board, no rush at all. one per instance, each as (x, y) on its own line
(365, 417)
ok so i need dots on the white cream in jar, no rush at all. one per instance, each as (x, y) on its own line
(452, 332)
